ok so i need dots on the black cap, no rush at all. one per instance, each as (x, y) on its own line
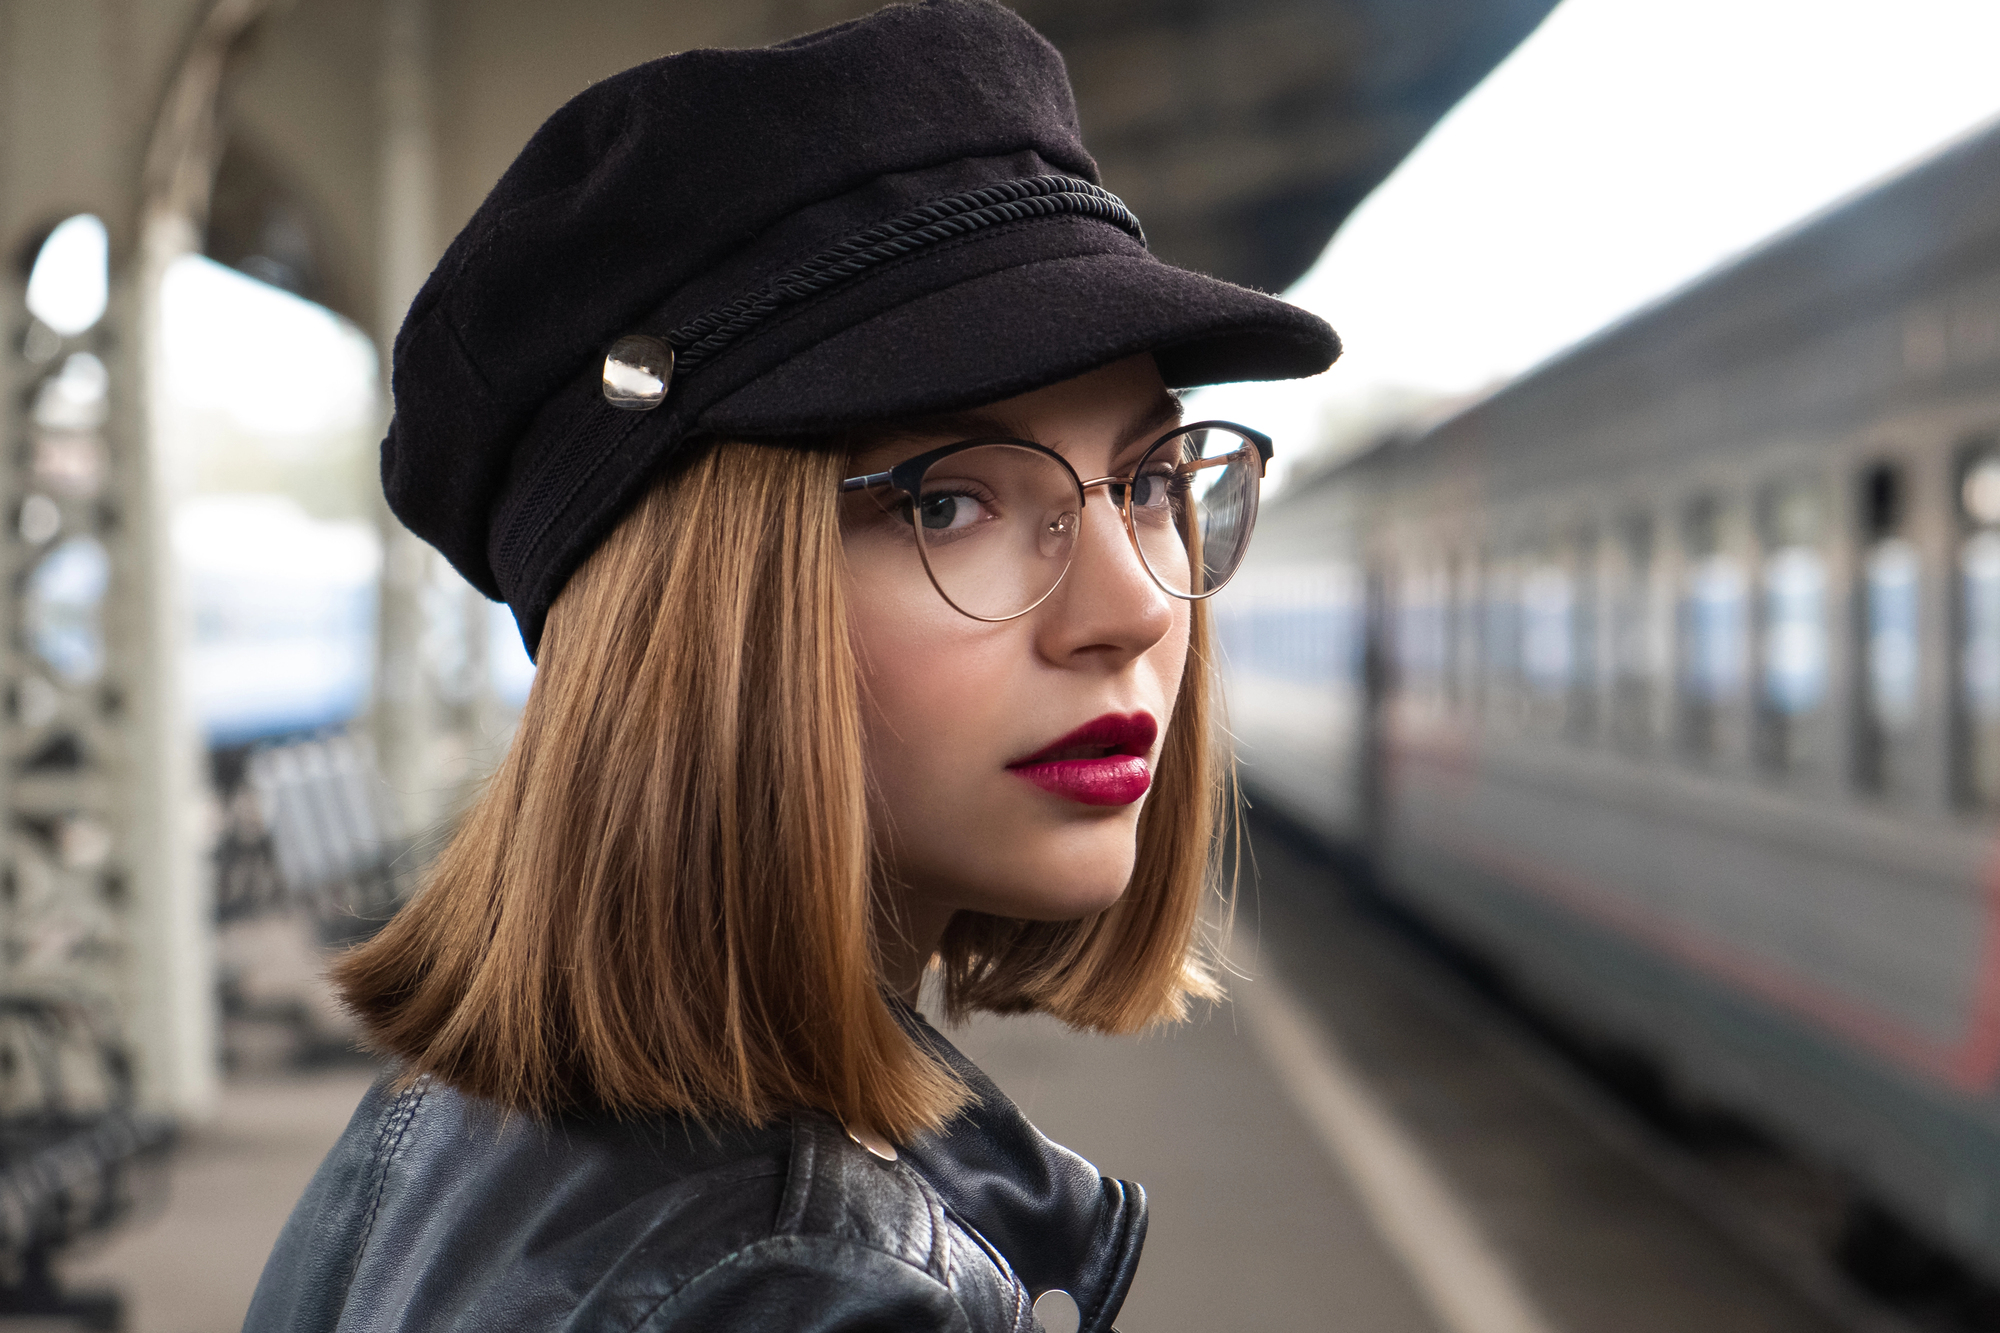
(887, 218)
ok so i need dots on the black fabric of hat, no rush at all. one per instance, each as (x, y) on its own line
(887, 218)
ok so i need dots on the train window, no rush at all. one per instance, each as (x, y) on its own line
(1548, 631)
(1557, 656)
(1712, 627)
(1634, 655)
(1979, 624)
(1452, 629)
(1583, 678)
(1334, 633)
(1499, 631)
(1466, 644)
(1792, 624)
(1329, 626)
(1892, 634)
(1469, 643)
(1889, 633)
(1299, 624)
(1501, 635)
(1420, 631)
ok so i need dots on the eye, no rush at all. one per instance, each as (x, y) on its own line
(1156, 488)
(948, 511)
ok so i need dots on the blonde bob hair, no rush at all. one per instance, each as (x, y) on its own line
(662, 901)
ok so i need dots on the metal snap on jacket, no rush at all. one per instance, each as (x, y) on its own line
(1056, 1312)
(873, 1142)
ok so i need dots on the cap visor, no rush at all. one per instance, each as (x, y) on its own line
(1017, 329)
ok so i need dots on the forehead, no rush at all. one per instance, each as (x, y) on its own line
(1104, 413)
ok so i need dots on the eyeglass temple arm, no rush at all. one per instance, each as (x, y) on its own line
(867, 483)
(1257, 438)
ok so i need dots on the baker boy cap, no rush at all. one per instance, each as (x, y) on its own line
(888, 218)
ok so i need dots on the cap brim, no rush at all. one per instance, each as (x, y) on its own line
(1007, 332)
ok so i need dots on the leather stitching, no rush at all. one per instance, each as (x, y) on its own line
(388, 1142)
(653, 1313)
(1023, 1305)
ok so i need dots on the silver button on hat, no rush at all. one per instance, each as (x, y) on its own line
(637, 371)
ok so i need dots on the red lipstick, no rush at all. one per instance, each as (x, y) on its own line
(1102, 762)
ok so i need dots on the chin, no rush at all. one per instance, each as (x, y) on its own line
(1031, 868)
(1059, 890)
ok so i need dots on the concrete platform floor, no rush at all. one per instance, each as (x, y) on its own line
(1351, 1144)
(188, 1263)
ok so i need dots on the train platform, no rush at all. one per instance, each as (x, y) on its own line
(1355, 1141)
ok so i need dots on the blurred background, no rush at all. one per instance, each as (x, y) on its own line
(1616, 678)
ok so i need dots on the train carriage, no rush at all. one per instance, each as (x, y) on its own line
(1668, 678)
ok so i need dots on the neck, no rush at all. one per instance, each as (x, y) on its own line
(907, 934)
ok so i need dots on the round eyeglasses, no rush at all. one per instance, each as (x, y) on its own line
(995, 522)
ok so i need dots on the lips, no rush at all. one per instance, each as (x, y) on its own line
(1102, 762)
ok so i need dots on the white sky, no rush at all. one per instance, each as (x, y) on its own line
(70, 282)
(1626, 147)
(291, 372)
(277, 364)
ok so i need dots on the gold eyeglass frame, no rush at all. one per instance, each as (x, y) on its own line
(907, 477)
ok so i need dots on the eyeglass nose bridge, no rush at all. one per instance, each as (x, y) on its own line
(1123, 505)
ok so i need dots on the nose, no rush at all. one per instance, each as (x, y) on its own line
(1107, 607)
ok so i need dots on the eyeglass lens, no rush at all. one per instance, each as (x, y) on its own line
(997, 523)
(1193, 503)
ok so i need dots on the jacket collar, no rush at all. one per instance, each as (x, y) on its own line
(1058, 1223)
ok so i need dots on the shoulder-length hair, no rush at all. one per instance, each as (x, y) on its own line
(662, 900)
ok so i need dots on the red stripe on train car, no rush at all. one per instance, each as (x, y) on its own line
(1977, 1062)
(1970, 1064)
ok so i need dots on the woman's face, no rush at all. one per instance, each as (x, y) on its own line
(1008, 761)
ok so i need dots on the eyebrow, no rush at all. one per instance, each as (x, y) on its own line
(1165, 411)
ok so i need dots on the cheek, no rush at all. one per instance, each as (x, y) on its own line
(931, 695)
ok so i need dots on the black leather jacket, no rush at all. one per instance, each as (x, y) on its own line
(435, 1212)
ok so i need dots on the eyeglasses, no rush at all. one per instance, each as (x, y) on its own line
(995, 522)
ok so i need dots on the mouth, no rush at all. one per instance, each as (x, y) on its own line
(1102, 762)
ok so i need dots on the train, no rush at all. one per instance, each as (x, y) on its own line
(1666, 680)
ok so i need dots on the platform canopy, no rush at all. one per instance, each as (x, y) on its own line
(1242, 132)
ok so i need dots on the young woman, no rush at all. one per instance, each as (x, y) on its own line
(813, 409)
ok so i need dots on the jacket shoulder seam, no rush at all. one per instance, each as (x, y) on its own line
(816, 1139)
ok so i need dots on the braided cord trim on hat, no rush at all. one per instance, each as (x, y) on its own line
(941, 219)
